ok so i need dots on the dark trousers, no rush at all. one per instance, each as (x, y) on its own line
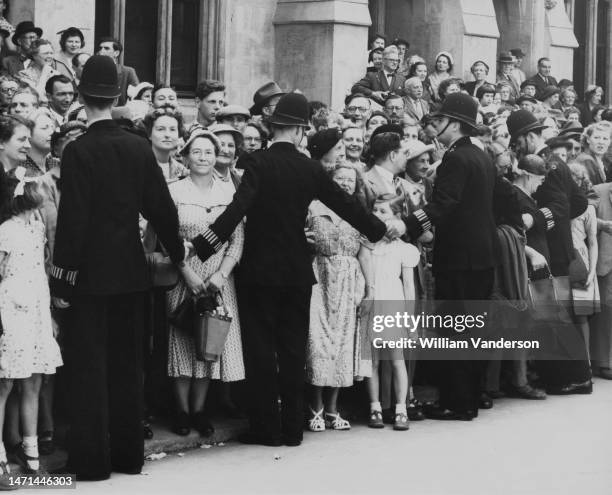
(459, 382)
(274, 323)
(106, 385)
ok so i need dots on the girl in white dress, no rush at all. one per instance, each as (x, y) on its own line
(393, 280)
(28, 349)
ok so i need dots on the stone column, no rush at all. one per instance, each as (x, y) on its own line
(591, 43)
(321, 46)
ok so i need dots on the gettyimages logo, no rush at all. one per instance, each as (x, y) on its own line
(411, 322)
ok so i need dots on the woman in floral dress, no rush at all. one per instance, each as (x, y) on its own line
(333, 308)
(200, 200)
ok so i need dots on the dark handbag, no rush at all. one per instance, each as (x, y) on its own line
(162, 271)
(578, 271)
(544, 299)
(211, 329)
(186, 315)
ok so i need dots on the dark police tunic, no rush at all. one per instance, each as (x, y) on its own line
(109, 177)
(276, 275)
(462, 210)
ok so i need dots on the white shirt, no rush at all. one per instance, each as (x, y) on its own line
(387, 179)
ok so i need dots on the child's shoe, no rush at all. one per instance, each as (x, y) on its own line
(401, 421)
(316, 423)
(376, 420)
(335, 422)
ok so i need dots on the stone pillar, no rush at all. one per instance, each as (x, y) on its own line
(321, 46)
(591, 43)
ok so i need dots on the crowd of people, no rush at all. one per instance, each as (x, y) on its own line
(423, 187)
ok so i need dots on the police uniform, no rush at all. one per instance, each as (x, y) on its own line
(109, 177)
(276, 276)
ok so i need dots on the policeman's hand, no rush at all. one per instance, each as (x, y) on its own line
(59, 303)
(395, 228)
(310, 236)
(527, 220)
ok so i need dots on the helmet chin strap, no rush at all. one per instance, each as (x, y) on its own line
(444, 130)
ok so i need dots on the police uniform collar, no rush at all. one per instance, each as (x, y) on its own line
(103, 124)
(283, 145)
(460, 142)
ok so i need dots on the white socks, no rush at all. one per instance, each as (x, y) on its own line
(400, 408)
(30, 447)
(375, 406)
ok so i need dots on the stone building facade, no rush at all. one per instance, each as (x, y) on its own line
(319, 46)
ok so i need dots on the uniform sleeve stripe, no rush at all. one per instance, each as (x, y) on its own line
(550, 219)
(423, 220)
(68, 276)
(212, 239)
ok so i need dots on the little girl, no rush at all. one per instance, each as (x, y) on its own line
(393, 280)
(27, 347)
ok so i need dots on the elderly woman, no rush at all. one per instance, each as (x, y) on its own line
(593, 97)
(550, 97)
(39, 159)
(505, 91)
(353, 139)
(200, 199)
(448, 87)
(254, 138)
(442, 70)
(42, 66)
(71, 42)
(480, 71)
(339, 257)
(230, 140)
(567, 99)
(595, 143)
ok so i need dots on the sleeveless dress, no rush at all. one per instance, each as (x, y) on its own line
(27, 345)
(335, 298)
(196, 212)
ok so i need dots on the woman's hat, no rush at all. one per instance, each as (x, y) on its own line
(447, 55)
(559, 142)
(517, 52)
(527, 82)
(461, 107)
(217, 128)
(549, 91)
(196, 133)
(233, 110)
(521, 122)
(263, 94)
(23, 28)
(134, 91)
(533, 164)
(479, 62)
(417, 148)
(523, 98)
(100, 78)
(572, 129)
(323, 141)
(291, 110)
(506, 58)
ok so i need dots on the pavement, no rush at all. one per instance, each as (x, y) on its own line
(558, 446)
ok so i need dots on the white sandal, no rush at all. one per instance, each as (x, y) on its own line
(316, 422)
(336, 422)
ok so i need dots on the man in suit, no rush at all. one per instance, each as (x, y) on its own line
(112, 48)
(461, 209)
(23, 37)
(276, 273)
(109, 178)
(542, 78)
(506, 63)
(377, 85)
(414, 104)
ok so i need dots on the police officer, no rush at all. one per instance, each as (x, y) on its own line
(109, 177)
(276, 274)
(461, 209)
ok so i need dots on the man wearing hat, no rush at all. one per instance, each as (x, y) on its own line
(517, 72)
(528, 88)
(506, 63)
(276, 273)
(461, 209)
(109, 178)
(264, 102)
(526, 102)
(25, 33)
(234, 115)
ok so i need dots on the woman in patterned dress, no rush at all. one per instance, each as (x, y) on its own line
(333, 306)
(199, 201)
